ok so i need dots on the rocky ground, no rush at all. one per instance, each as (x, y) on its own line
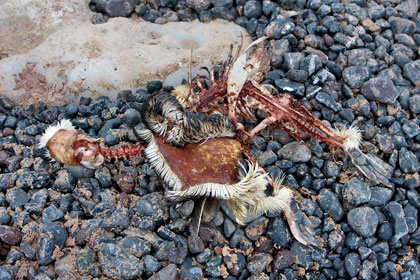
(352, 62)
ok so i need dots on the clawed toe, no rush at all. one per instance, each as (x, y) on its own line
(300, 226)
(371, 166)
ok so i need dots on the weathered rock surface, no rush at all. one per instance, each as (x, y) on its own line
(25, 24)
(90, 60)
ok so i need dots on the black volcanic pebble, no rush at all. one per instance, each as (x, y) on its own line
(120, 8)
(363, 220)
(44, 249)
(16, 197)
(356, 192)
(117, 263)
(348, 63)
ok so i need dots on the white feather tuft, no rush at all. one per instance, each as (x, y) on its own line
(352, 137)
(247, 183)
(52, 130)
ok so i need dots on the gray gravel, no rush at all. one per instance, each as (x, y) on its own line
(351, 62)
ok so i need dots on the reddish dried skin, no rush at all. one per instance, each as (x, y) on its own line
(284, 111)
(124, 152)
(215, 161)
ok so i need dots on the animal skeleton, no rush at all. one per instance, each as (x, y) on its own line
(189, 140)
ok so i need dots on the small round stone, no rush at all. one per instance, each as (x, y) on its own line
(252, 9)
(132, 117)
(283, 259)
(356, 192)
(352, 264)
(363, 220)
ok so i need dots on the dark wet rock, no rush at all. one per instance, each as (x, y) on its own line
(289, 86)
(135, 246)
(104, 177)
(4, 216)
(84, 260)
(51, 214)
(225, 13)
(118, 264)
(45, 248)
(303, 253)
(380, 89)
(177, 255)
(205, 256)
(113, 8)
(385, 143)
(13, 163)
(10, 235)
(151, 265)
(38, 202)
(187, 208)
(311, 64)
(329, 203)
(198, 5)
(192, 273)
(33, 179)
(48, 116)
(3, 157)
(283, 259)
(132, 117)
(356, 192)
(7, 181)
(57, 231)
(113, 137)
(154, 206)
(331, 169)
(336, 240)
(236, 238)
(6, 102)
(21, 217)
(380, 196)
(411, 71)
(178, 226)
(414, 103)
(16, 197)
(279, 27)
(354, 241)
(64, 181)
(402, 25)
(169, 272)
(256, 228)
(125, 181)
(297, 75)
(118, 221)
(295, 152)
(195, 244)
(207, 231)
(396, 215)
(363, 220)
(352, 264)
(27, 250)
(228, 228)
(279, 233)
(267, 158)
(4, 274)
(292, 60)
(327, 100)
(410, 129)
(252, 9)
(167, 234)
(408, 161)
(259, 262)
(355, 76)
